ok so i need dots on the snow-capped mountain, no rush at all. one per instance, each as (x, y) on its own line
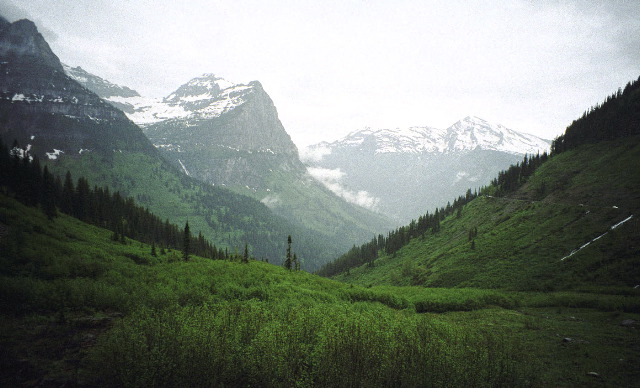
(408, 171)
(201, 98)
(473, 132)
(467, 134)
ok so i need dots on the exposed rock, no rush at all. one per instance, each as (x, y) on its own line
(20, 41)
(44, 108)
(629, 323)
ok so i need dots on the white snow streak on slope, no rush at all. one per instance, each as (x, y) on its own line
(597, 238)
(183, 167)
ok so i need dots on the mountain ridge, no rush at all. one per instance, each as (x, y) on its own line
(405, 171)
(466, 134)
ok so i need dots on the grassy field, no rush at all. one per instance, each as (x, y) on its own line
(80, 309)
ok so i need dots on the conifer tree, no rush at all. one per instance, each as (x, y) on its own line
(287, 261)
(186, 242)
(67, 194)
(296, 262)
(245, 257)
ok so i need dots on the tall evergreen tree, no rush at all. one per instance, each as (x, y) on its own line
(288, 259)
(245, 257)
(186, 244)
(67, 194)
(296, 262)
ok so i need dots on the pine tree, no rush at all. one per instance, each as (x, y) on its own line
(153, 250)
(67, 195)
(245, 257)
(287, 261)
(296, 262)
(186, 242)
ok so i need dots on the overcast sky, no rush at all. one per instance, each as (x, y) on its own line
(332, 67)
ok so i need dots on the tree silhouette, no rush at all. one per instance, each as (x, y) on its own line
(186, 242)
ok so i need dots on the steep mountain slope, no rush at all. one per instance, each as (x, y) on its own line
(35, 95)
(408, 171)
(230, 135)
(57, 120)
(571, 224)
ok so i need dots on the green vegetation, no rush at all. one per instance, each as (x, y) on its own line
(617, 117)
(225, 218)
(539, 270)
(78, 308)
(520, 240)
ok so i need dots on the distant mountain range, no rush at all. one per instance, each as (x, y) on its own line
(403, 172)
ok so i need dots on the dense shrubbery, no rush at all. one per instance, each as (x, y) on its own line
(278, 344)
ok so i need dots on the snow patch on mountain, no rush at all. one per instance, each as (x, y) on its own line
(332, 180)
(54, 155)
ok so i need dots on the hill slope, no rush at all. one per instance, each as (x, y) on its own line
(573, 223)
(78, 309)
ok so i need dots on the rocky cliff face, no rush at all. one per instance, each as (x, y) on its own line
(42, 107)
(222, 133)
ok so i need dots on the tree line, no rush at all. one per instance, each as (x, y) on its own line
(23, 177)
(394, 240)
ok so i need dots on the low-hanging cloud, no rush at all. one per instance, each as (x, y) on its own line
(332, 180)
(314, 154)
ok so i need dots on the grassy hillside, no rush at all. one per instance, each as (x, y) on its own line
(81, 310)
(522, 238)
(225, 218)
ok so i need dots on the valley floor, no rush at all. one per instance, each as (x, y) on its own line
(78, 309)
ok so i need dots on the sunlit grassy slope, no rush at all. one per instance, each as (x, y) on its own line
(572, 199)
(80, 309)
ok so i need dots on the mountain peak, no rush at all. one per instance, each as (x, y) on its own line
(473, 132)
(207, 86)
(20, 41)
